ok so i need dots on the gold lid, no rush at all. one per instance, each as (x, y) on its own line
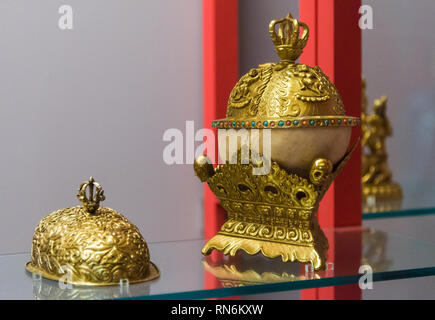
(285, 94)
(90, 245)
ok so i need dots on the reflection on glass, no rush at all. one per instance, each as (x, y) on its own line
(374, 250)
(44, 289)
(244, 269)
(185, 276)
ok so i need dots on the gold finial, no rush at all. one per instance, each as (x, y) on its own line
(92, 202)
(288, 44)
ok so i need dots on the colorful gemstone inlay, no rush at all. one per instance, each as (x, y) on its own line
(285, 123)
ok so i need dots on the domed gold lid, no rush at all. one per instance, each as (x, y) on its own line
(285, 94)
(90, 245)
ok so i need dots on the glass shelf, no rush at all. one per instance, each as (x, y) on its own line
(413, 204)
(398, 213)
(186, 274)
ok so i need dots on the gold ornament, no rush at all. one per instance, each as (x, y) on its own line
(377, 182)
(90, 245)
(275, 213)
(285, 94)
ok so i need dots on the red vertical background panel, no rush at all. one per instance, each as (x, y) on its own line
(220, 74)
(336, 37)
(334, 45)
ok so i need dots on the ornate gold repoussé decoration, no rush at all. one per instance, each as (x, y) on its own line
(377, 179)
(90, 245)
(285, 94)
(275, 213)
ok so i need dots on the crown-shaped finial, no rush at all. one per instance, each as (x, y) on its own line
(288, 42)
(92, 202)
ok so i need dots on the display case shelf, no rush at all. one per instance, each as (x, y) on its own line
(186, 274)
(413, 203)
(399, 213)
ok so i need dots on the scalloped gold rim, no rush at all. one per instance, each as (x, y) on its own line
(153, 274)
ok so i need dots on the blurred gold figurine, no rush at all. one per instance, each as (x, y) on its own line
(377, 183)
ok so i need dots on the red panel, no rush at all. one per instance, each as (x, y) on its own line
(347, 78)
(335, 45)
(336, 38)
(220, 74)
(309, 13)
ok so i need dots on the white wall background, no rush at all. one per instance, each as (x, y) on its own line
(96, 100)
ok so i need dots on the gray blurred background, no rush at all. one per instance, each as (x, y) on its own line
(96, 100)
(398, 61)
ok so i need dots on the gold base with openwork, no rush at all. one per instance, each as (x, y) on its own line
(273, 213)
